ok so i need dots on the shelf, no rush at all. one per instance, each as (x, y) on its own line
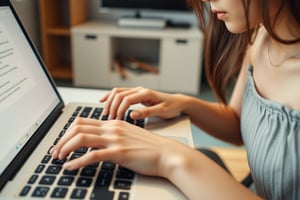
(59, 31)
(57, 19)
(61, 72)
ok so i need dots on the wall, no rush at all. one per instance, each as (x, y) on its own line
(28, 12)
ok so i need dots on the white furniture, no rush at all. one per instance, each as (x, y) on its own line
(177, 54)
(81, 94)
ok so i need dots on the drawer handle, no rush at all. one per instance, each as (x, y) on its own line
(181, 41)
(91, 37)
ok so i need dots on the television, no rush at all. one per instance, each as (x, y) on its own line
(163, 5)
(138, 6)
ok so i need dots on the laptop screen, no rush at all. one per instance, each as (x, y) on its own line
(27, 96)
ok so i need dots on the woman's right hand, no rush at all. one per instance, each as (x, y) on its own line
(159, 104)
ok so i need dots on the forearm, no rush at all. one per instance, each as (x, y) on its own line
(217, 119)
(200, 178)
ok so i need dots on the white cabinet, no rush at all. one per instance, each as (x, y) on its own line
(175, 53)
(91, 58)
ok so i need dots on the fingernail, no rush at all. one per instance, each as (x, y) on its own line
(67, 166)
(53, 153)
(135, 115)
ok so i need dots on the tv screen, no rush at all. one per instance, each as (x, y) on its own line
(163, 5)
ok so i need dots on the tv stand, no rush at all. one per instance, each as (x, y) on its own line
(137, 21)
(101, 50)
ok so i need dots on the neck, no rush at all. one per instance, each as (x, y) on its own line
(287, 29)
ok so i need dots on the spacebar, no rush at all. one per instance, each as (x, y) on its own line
(102, 193)
(100, 190)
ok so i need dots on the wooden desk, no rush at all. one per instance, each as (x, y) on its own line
(235, 159)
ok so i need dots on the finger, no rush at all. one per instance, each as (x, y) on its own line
(139, 95)
(115, 109)
(81, 140)
(109, 98)
(146, 112)
(89, 158)
(80, 125)
(104, 98)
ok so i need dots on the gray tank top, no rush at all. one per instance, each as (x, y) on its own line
(271, 133)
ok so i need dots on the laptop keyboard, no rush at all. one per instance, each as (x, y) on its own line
(102, 180)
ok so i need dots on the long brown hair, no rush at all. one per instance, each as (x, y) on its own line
(225, 51)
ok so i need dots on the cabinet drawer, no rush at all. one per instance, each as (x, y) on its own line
(91, 60)
(180, 65)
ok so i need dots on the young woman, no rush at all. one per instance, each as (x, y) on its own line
(259, 43)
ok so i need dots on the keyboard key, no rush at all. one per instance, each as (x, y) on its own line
(39, 169)
(71, 172)
(72, 119)
(86, 112)
(81, 150)
(101, 193)
(47, 180)
(124, 173)
(25, 191)
(32, 179)
(58, 162)
(62, 133)
(49, 150)
(97, 113)
(128, 118)
(53, 169)
(104, 178)
(76, 112)
(93, 165)
(66, 180)
(88, 171)
(123, 196)
(46, 159)
(124, 185)
(104, 118)
(108, 165)
(140, 123)
(59, 192)
(67, 125)
(40, 192)
(83, 182)
(78, 193)
(56, 141)
(75, 155)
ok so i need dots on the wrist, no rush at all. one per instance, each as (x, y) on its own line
(186, 103)
(172, 161)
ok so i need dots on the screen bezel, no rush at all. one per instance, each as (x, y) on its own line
(21, 157)
(106, 6)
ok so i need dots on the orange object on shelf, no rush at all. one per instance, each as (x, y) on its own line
(143, 65)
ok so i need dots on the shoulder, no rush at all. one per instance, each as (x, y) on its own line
(252, 55)
(277, 84)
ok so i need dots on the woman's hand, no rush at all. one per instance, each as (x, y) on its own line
(119, 142)
(149, 154)
(156, 103)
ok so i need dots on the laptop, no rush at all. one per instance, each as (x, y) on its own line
(33, 117)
